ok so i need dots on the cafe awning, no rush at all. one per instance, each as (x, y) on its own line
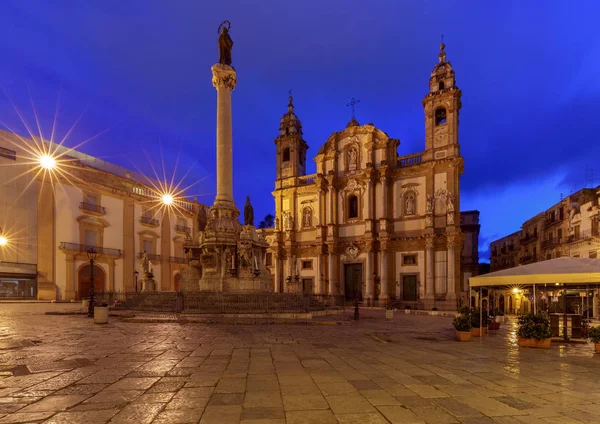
(564, 270)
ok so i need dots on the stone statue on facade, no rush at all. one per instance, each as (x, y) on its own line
(449, 202)
(225, 43)
(145, 263)
(429, 206)
(410, 205)
(306, 218)
(288, 221)
(248, 212)
(353, 157)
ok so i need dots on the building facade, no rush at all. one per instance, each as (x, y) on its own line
(369, 223)
(51, 223)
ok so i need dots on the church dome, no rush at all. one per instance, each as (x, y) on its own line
(290, 124)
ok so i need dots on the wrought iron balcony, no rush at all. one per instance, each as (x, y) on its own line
(83, 248)
(177, 260)
(547, 244)
(526, 259)
(410, 160)
(583, 235)
(182, 229)
(90, 207)
(151, 257)
(149, 221)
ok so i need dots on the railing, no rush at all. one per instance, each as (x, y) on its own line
(177, 260)
(411, 160)
(92, 208)
(526, 258)
(503, 250)
(74, 247)
(546, 244)
(307, 179)
(151, 257)
(182, 229)
(219, 303)
(511, 248)
(551, 221)
(529, 238)
(149, 221)
(582, 235)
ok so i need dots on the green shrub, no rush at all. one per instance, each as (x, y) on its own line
(534, 326)
(462, 323)
(479, 319)
(594, 334)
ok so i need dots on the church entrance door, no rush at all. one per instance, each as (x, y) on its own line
(409, 288)
(84, 280)
(353, 279)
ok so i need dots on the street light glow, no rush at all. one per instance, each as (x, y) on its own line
(3, 241)
(167, 199)
(47, 162)
(516, 290)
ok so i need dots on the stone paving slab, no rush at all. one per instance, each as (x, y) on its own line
(64, 369)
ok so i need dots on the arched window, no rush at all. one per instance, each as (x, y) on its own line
(286, 154)
(352, 207)
(441, 85)
(287, 131)
(307, 218)
(409, 203)
(440, 116)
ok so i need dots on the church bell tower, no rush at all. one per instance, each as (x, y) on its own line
(291, 148)
(442, 105)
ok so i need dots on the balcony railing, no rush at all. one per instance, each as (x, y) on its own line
(90, 207)
(307, 179)
(547, 244)
(149, 221)
(151, 257)
(526, 259)
(83, 248)
(182, 229)
(529, 238)
(551, 221)
(582, 235)
(177, 260)
(411, 160)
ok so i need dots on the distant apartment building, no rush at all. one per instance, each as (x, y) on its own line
(48, 226)
(568, 228)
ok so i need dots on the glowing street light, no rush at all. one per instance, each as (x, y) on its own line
(47, 162)
(516, 290)
(3, 240)
(167, 199)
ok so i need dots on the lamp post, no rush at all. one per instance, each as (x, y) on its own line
(135, 274)
(3, 239)
(91, 254)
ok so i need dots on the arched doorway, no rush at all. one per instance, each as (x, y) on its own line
(176, 281)
(83, 281)
(501, 303)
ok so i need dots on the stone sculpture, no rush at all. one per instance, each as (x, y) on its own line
(225, 43)
(145, 263)
(248, 212)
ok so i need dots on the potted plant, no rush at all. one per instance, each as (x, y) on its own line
(478, 322)
(594, 335)
(462, 325)
(534, 331)
(101, 313)
(492, 324)
(389, 312)
(499, 317)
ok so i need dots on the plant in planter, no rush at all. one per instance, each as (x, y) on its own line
(534, 331)
(101, 313)
(499, 316)
(478, 322)
(594, 335)
(462, 325)
(492, 323)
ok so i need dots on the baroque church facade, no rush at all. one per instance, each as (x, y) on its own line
(370, 224)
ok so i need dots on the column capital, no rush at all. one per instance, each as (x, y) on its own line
(429, 242)
(224, 76)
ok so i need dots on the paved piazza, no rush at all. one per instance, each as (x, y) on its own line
(407, 370)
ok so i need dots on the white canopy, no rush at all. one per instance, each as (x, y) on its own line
(565, 270)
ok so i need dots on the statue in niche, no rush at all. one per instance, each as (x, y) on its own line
(449, 202)
(145, 263)
(276, 224)
(288, 221)
(352, 159)
(225, 43)
(429, 207)
(245, 254)
(410, 204)
(248, 212)
(307, 217)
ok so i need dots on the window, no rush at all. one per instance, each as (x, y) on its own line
(91, 238)
(593, 254)
(148, 246)
(409, 259)
(441, 85)
(440, 116)
(535, 232)
(559, 235)
(576, 232)
(307, 264)
(8, 154)
(409, 203)
(352, 207)
(306, 217)
(269, 259)
(286, 154)
(90, 199)
(549, 256)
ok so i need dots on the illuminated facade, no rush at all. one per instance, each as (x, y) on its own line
(49, 227)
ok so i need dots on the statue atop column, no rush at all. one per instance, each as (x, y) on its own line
(248, 212)
(225, 43)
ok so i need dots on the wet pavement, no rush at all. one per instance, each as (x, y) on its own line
(65, 369)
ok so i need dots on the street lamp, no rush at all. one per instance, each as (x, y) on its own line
(135, 274)
(91, 254)
(3, 239)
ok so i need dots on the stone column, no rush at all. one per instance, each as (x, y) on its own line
(330, 217)
(71, 283)
(384, 196)
(383, 295)
(451, 273)
(224, 80)
(331, 273)
(277, 287)
(111, 275)
(319, 279)
(430, 278)
(595, 304)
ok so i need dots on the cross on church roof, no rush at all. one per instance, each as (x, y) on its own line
(352, 103)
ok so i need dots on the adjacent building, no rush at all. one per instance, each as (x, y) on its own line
(372, 224)
(49, 224)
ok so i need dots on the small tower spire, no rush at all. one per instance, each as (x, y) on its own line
(291, 103)
(442, 56)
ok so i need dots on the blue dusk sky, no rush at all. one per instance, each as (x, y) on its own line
(139, 71)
